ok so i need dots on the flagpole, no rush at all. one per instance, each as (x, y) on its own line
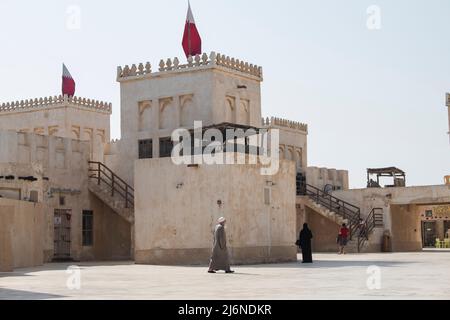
(189, 39)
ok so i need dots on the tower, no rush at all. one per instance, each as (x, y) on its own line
(213, 89)
(61, 116)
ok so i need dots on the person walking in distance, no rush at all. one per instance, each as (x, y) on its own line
(220, 259)
(343, 238)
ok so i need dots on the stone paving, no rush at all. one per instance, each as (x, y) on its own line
(402, 276)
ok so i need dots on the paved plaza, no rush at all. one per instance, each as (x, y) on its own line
(402, 276)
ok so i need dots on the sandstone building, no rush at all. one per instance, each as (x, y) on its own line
(67, 191)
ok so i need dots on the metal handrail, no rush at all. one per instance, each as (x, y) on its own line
(324, 194)
(101, 173)
(109, 170)
(374, 220)
(110, 179)
(346, 210)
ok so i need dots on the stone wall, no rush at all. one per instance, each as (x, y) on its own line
(400, 214)
(320, 177)
(177, 208)
(67, 117)
(22, 228)
(324, 231)
(406, 228)
(112, 234)
(293, 140)
(60, 169)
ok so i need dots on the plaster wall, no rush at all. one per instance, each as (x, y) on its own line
(22, 227)
(177, 208)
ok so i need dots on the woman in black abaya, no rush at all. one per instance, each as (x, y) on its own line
(305, 244)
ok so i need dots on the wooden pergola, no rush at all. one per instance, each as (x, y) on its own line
(398, 175)
(242, 132)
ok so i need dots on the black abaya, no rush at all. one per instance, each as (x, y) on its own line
(305, 244)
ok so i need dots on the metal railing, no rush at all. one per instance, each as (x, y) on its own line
(358, 228)
(346, 210)
(102, 174)
(374, 220)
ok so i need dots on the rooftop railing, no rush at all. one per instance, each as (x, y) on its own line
(169, 65)
(52, 101)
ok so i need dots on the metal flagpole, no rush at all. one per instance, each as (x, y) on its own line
(189, 39)
(189, 30)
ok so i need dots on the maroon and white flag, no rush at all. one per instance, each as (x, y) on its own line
(192, 43)
(68, 84)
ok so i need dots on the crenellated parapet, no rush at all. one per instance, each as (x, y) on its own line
(55, 101)
(283, 123)
(214, 60)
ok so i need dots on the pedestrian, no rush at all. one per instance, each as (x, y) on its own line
(220, 259)
(305, 244)
(343, 238)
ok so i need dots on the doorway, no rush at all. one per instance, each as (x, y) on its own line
(429, 234)
(62, 241)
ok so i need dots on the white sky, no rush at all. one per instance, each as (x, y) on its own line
(371, 98)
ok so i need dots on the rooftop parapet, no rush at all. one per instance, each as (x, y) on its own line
(56, 101)
(283, 123)
(198, 62)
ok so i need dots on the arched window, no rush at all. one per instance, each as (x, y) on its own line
(167, 117)
(281, 152)
(145, 116)
(230, 105)
(299, 158)
(187, 112)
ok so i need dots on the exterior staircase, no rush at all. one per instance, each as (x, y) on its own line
(112, 190)
(340, 211)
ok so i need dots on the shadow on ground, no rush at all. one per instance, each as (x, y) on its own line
(59, 266)
(318, 264)
(14, 274)
(333, 264)
(10, 294)
(322, 263)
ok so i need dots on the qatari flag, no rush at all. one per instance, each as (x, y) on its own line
(192, 43)
(68, 84)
